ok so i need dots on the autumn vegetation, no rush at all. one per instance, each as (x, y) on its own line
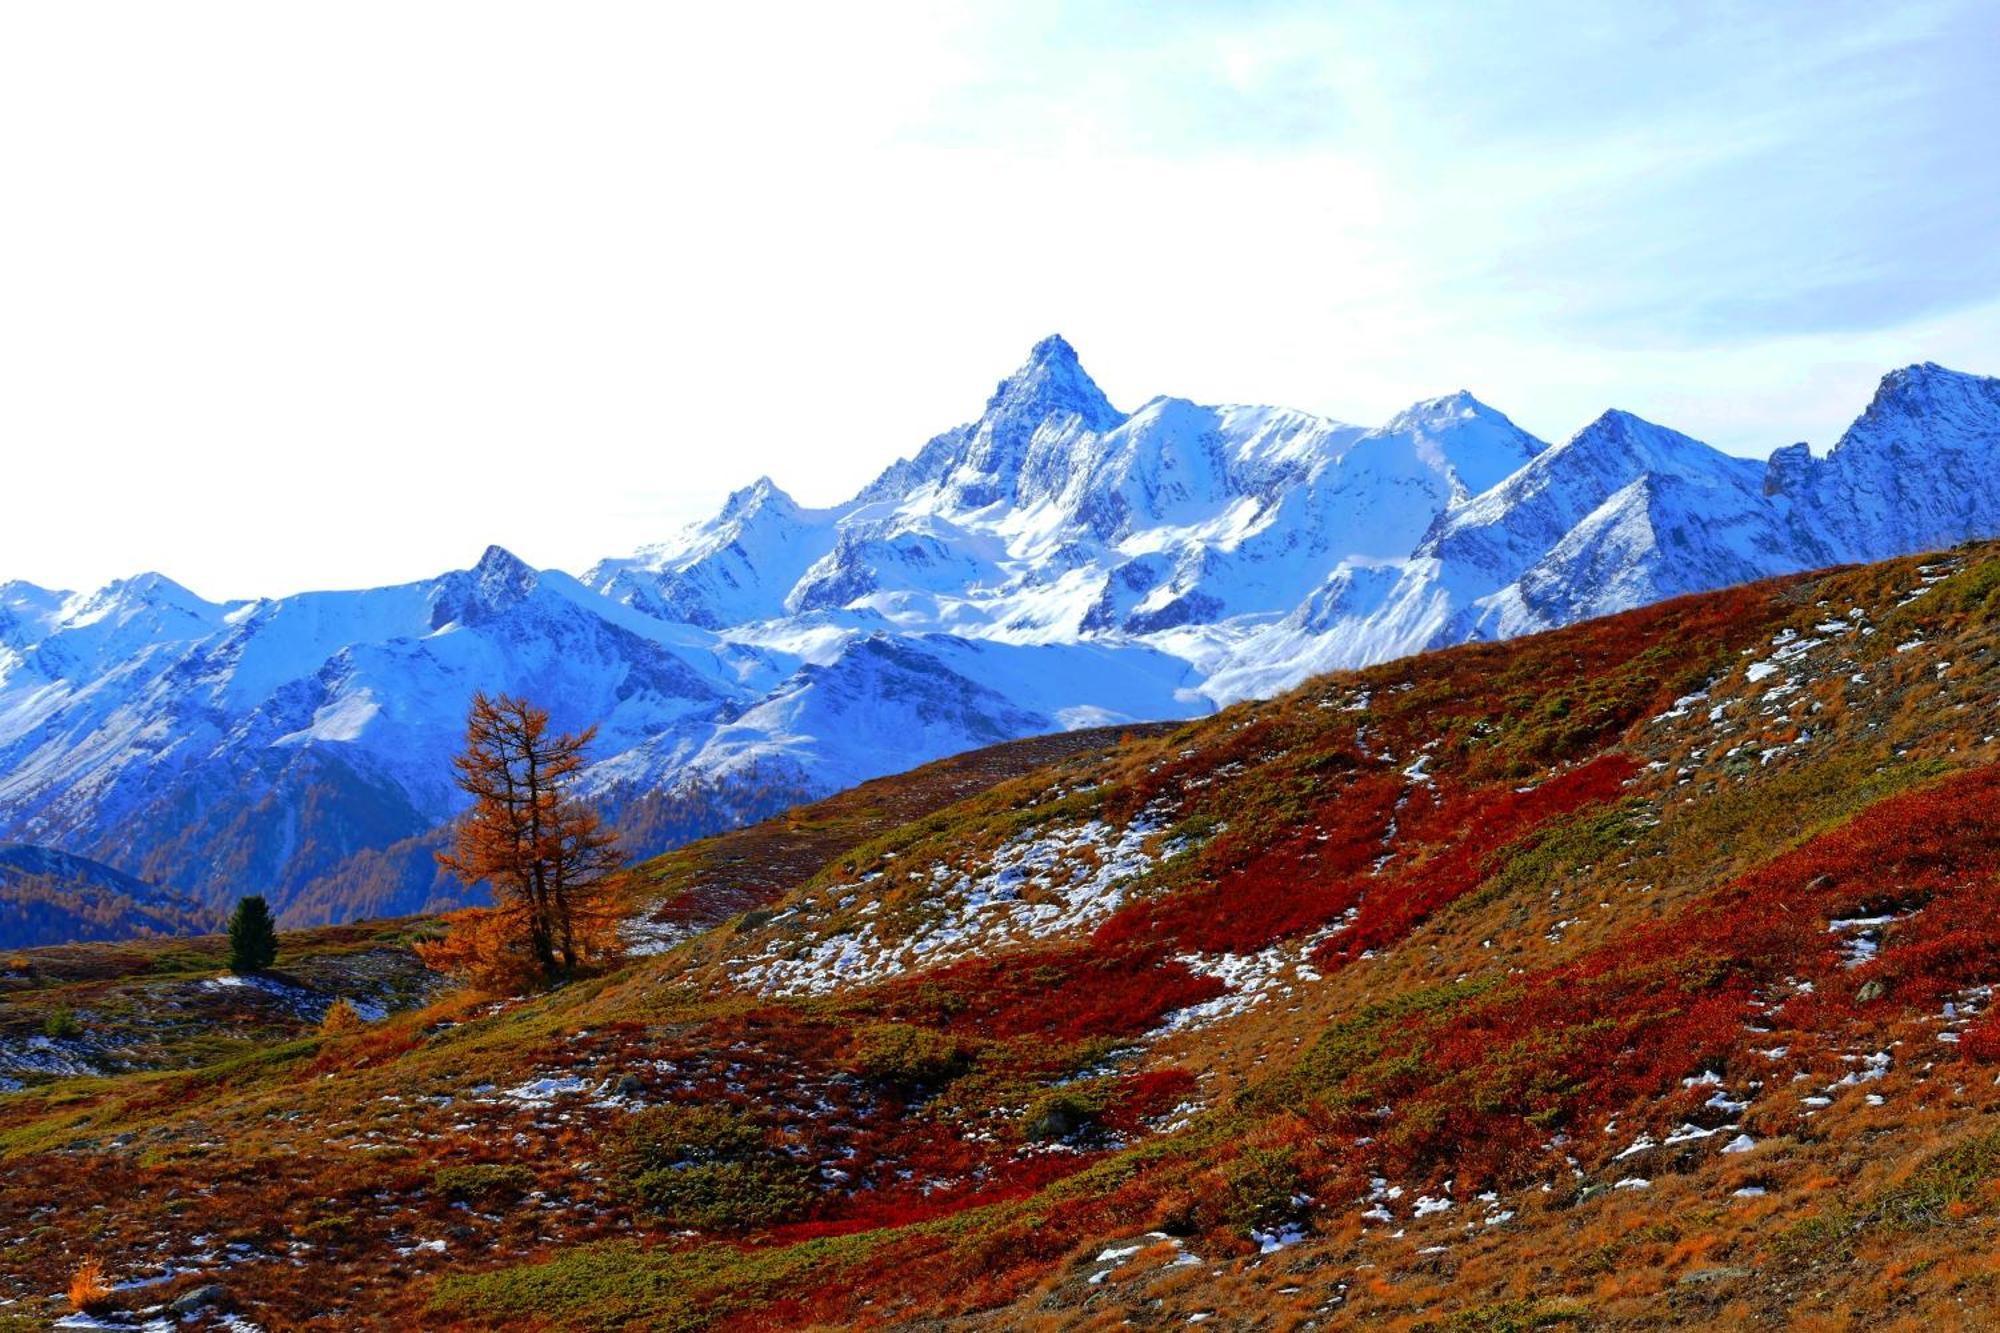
(87, 1292)
(341, 1016)
(552, 867)
(39, 910)
(1561, 921)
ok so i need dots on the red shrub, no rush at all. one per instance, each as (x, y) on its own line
(1951, 943)
(1480, 1086)
(918, 1200)
(1255, 894)
(1441, 838)
(1152, 1093)
(1980, 1041)
(1466, 828)
(1064, 994)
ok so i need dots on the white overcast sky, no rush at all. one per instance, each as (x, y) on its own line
(319, 296)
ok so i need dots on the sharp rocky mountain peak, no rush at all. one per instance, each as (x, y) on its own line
(1050, 563)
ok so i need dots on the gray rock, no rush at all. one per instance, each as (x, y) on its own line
(211, 1294)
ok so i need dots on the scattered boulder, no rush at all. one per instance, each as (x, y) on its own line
(208, 1296)
(1058, 1115)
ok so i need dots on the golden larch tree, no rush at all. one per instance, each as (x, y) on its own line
(555, 871)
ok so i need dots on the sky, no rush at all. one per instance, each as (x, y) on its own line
(334, 296)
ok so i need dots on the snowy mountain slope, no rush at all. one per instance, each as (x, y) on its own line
(299, 730)
(1055, 562)
(1627, 512)
(883, 698)
(1624, 511)
(1914, 472)
(1055, 516)
(738, 566)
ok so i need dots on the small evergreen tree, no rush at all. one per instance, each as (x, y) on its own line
(253, 939)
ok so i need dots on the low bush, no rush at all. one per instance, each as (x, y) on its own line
(1521, 1316)
(907, 1056)
(330, 1227)
(483, 1181)
(1064, 1113)
(667, 1136)
(340, 1017)
(1981, 1041)
(1060, 994)
(706, 1168)
(726, 1196)
(1261, 1185)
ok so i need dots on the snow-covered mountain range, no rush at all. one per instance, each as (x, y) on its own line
(1054, 563)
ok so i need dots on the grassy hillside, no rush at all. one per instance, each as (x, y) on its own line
(153, 1004)
(1628, 975)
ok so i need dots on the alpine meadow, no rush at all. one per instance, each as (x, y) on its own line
(1124, 860)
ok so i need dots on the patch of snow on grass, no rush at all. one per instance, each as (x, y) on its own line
(1039, 884)
(543, 1091)
(1270, 1242)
